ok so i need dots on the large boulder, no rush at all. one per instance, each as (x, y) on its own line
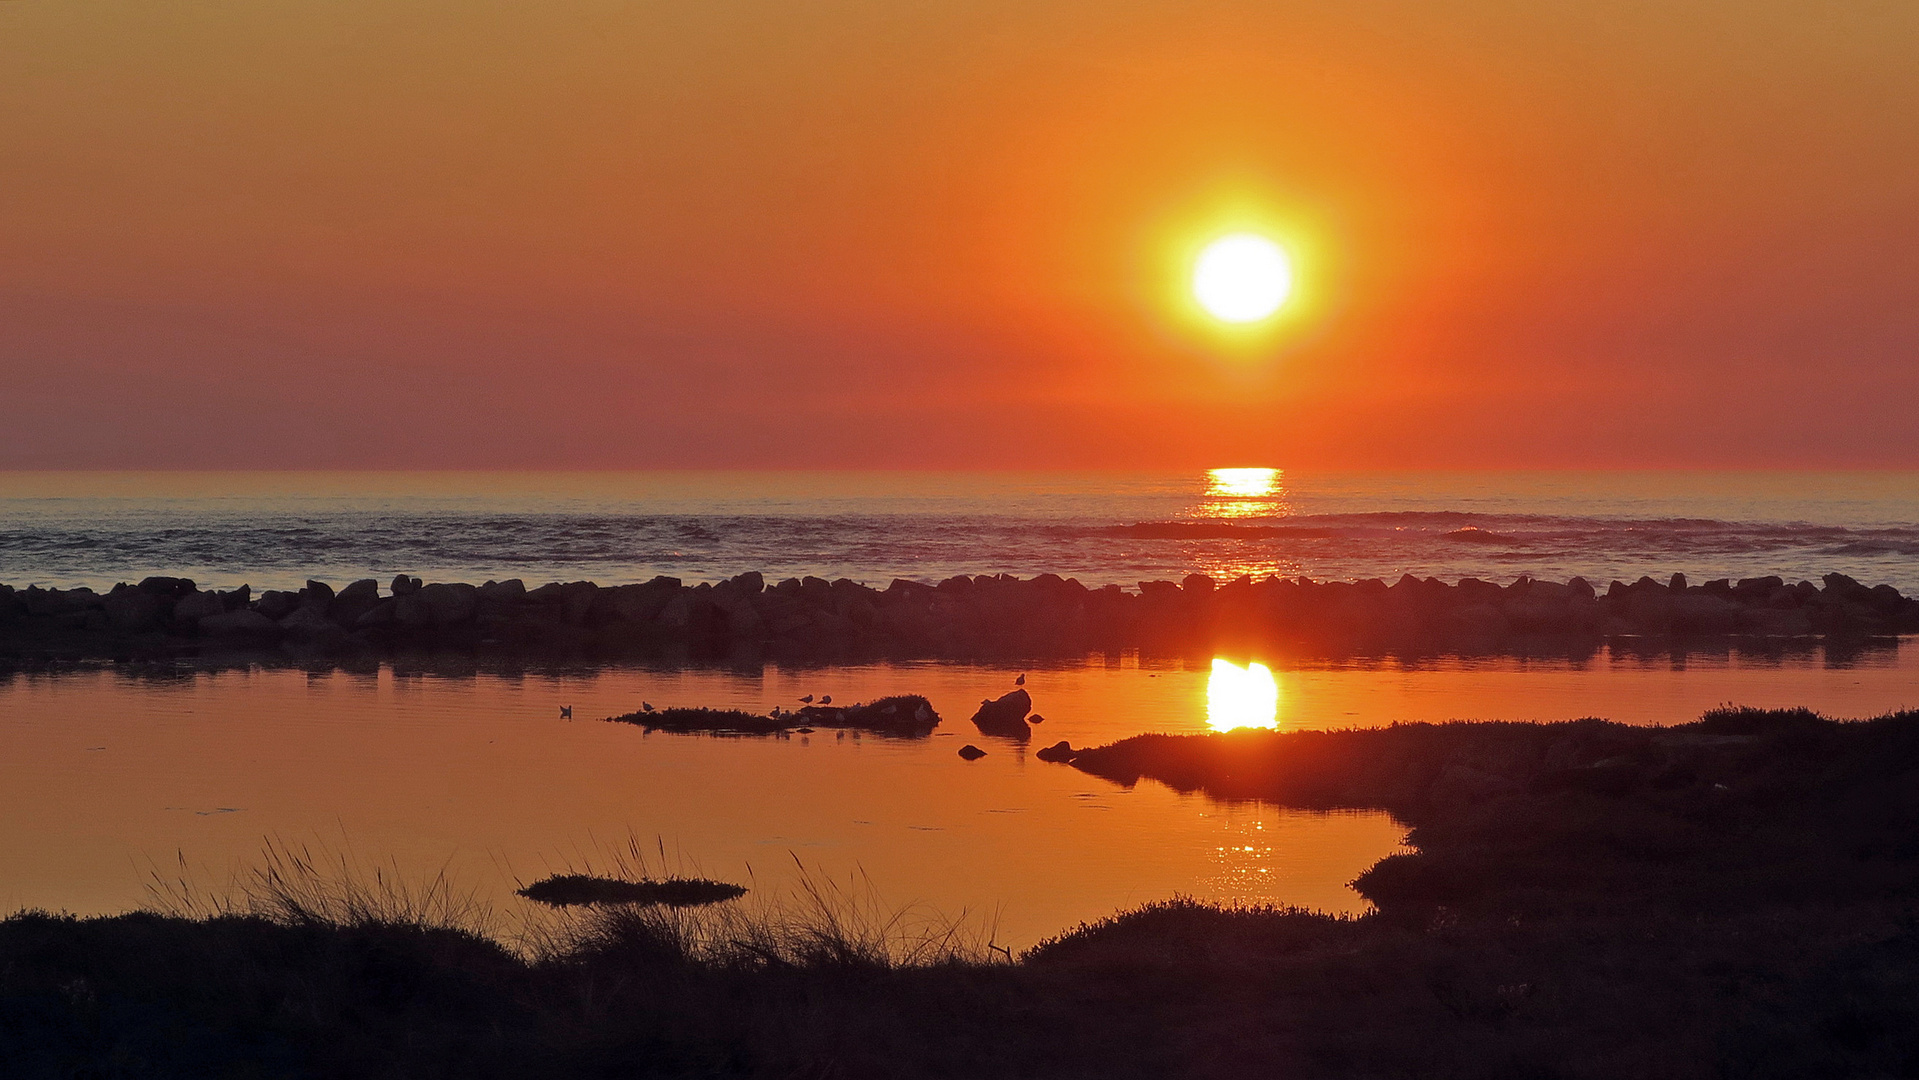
(637, 604)
(438, 605)
(510, 591)
(1005, 716)
(354, 601)
(193, 607)
(572, 601)
(1698, 612)
(242, 623)
(736, 603)
(136, 610)
(1059, 753)
(677, 613)
(277, 604)
(170, 587)
(310, 622)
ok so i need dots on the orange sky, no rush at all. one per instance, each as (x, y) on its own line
(888, 233)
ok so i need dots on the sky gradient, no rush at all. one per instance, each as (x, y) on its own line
(588, 233)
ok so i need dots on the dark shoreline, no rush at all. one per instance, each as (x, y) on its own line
(1738, 896)
(960, 617)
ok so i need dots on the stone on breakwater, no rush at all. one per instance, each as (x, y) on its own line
(134, 610)
(192, 608)
(238, 623)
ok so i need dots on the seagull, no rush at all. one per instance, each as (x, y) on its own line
(826, 699)
(566, 712)
(1021, 681)
(646, 706)
(808, 699)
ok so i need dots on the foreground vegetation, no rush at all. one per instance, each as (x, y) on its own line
(1733, 897)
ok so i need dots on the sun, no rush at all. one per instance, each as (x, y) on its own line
(1242, 278)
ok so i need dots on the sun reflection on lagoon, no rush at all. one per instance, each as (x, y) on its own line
(1241, 697)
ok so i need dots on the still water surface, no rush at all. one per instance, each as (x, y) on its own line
(104, 772)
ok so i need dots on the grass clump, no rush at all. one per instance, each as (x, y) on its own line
(567, 890)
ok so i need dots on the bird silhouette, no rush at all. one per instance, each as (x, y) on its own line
(808, 699)
(566, 712)
(646, 706)
(1021, 681)
(826, 699)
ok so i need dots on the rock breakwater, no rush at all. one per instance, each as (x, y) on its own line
(962, 615)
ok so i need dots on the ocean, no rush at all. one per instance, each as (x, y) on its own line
(275, 530)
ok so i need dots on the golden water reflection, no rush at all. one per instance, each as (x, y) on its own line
(1241, 697)
(1242, 483)
(1245, 493)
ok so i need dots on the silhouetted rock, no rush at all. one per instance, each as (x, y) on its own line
(173, 587)
(448, 603)
(244, 622)
(309, 622)
(1060, 752)
(137, 610)
(405, 586)
(277, 604)
(1005, 716)
(510, 591)
(354, 601)
(971, 752)
(193, 607)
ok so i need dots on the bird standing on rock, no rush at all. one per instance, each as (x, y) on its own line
(566, 712)
(807, 700)
(826, 699)
(1021, 681)
(646, 706)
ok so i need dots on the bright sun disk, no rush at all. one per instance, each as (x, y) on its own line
(1242, 278)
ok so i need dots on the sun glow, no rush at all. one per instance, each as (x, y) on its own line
(1241, 697)
(1242, 278)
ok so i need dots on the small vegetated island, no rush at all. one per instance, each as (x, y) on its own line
(1047, 614)
(904, 715)
(1735, 896)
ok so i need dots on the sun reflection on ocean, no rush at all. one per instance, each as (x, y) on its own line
(1244, 493)
(1241, 697)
